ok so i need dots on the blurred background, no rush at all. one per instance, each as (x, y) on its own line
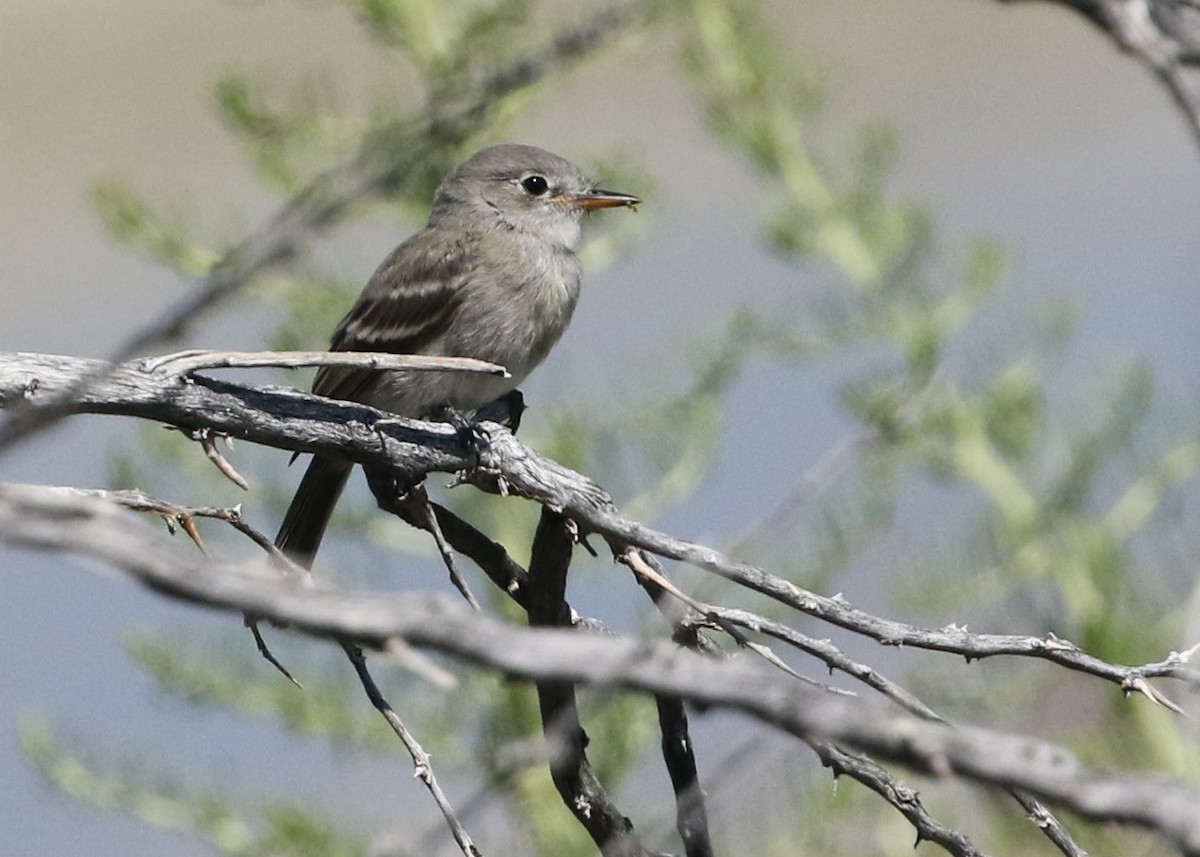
(1026, 204)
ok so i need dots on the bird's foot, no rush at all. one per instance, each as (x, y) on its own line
(468, 430)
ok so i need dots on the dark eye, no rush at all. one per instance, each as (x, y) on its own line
(535, 185)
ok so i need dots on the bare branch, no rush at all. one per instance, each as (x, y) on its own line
(533, 476)
(411, 450)
(833, 658)
(859, 768)
(183, 363)
(422, 766)
(903, 798)
(207, 443)
(691, 821)
(1048, 824)
(173, 513)
(41, 518)
(691, 815)
(271, 416)
(577, 784)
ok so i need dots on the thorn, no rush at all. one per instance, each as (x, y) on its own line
(188, 523)
(263, 650)
(215, 456)
(1138, 684)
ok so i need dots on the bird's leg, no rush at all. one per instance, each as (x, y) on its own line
(411, 503)
(467, 428)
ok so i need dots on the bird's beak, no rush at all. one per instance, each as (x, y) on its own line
(597, 198)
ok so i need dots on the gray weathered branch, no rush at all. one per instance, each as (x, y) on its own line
(42, 518)
(288, 419)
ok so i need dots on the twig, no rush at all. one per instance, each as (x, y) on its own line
(205, 438)
(173, 513)
(832, 656)
(836, 659)
(531, 475)
(410, 502)
(859, 768)
(647, 573)
(422, 768)
(691, 815)
(1048, 824)
(903, 798)
(251, 621)
(185, 516)
(184, 363)
(490, 556)
(419, 497)
(677, 747)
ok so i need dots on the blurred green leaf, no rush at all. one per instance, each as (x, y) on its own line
(129, 219)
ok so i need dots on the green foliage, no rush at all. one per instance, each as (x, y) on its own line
(288, 143)
(284, 830)
(228, 675)
(130, 220)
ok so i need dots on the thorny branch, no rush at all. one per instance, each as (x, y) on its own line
(42, 518)
(185, 517)
(857, 767)
(421, 762)
(289, 419)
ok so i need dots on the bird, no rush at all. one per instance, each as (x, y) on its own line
(493, 275)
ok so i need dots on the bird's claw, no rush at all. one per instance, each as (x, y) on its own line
(470, 434)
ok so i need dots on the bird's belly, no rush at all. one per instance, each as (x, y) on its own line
(416, 394)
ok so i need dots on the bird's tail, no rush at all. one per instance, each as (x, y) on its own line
(304, 524)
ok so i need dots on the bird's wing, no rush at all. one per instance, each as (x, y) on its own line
(409, 302)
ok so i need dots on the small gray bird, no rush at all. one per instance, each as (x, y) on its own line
(492, 276)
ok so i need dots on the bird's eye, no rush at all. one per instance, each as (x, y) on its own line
(535, 185)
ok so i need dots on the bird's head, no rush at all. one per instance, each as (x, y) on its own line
(523, 188)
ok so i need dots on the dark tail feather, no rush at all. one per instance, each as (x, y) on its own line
(304, 524)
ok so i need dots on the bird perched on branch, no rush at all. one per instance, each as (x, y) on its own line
(492, 276)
